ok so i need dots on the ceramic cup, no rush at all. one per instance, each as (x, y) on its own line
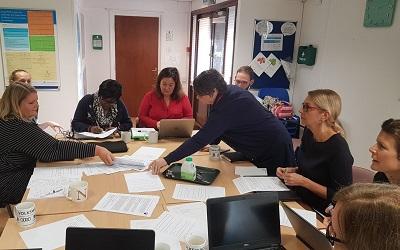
(153, 137)
(25, 214)
(195, 242)
(78, 191)
(126, 136)
(214, 151)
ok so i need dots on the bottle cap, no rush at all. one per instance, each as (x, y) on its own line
(188, 158)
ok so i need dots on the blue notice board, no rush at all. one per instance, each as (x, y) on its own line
(279, 79)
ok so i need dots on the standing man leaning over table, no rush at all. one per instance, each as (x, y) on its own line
(240, 121)
(22, 143)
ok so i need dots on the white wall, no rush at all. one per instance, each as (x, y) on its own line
(174, 16)
(361, 64)
(58, 105)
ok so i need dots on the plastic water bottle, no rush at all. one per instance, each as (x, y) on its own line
(188, 169)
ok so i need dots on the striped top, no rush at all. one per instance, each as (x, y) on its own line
(21, 145)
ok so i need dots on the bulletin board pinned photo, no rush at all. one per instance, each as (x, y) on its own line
(273, 47)
(29, 42)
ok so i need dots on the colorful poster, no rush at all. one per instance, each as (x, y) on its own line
(29, 42)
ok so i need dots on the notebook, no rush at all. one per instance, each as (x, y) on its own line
(79, 238)
(248, 221)
(176, 128)
(306, 232)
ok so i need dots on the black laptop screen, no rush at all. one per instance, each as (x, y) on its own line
(247, 222)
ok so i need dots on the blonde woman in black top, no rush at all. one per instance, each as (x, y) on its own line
(22, 143)
(324, 162)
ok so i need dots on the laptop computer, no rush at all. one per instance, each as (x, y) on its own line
(307, 233)
(248, 221)
(80, 238)
(176, 128)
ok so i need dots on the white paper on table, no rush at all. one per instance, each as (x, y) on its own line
(52, 173)
(259, 64)
(172, 225)
(148, 153)
(197, 193)
(173, 241)
(52, 235)
(141, 205)
(252, 184)
(143, 182)
(102, 135)
(46, 188)
(273, 64)
(253, 170)
(309, 216)
(195, 210)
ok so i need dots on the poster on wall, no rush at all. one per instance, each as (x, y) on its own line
(29, 42)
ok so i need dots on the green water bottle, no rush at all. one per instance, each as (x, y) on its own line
(188, 169)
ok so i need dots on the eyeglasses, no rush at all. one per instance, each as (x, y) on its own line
(307, 107)
(239, 82)
(331, 235)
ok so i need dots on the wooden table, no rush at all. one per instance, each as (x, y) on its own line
(52, 210)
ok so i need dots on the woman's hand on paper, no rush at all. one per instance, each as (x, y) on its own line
(157, 165)
(281, 172)
(96, 129)
(106, 156)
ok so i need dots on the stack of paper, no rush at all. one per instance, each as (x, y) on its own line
(250, 171)
(252, 184)
(143, 182)
(89, 135)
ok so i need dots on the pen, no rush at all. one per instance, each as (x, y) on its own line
(318, 212)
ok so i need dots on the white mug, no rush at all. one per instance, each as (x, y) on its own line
(162, 246)
(126, 136)
(25, 214)
(153, 137)
(195, 242)
(78, 191)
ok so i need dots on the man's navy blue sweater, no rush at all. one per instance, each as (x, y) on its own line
(239, 120)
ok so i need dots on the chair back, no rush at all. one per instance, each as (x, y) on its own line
(362, 175)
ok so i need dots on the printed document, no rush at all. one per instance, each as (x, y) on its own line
(197, 193)
(251, 170)
(52, 236)
(143, 182)
(252, 184)
(102, 135)
(309, 216)
(141, 205)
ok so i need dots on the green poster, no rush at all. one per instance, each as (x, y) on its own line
(42, 43)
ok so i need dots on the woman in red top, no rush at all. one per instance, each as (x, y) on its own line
(166, 101)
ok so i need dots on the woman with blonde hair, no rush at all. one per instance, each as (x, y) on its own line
(23, 143)
(366, 217)
(324, 161)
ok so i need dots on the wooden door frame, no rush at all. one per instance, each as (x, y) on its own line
(112, 14)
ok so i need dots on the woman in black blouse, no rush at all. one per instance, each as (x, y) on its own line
(324, 161)
(22, 143)
(385, 153)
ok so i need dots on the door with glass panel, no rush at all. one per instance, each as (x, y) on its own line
(212, 47)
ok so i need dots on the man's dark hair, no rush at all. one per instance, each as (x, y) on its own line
(207, 81)
(110, 89)
(247, 70)
(170, 72)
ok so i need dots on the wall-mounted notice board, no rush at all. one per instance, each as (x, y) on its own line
(280, 43)
(29, 42)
